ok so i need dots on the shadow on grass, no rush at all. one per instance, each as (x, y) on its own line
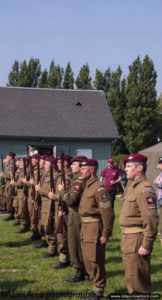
(110, 274)
(157, 287)
(113, 259)
(16, 244)
(156, 268)
(9, 288)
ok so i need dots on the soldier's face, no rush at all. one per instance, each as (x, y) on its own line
(85, 171)
(34, 162)
(160, 167)
(75, 167)
(47, 165)
(133, 170)
(41, 163)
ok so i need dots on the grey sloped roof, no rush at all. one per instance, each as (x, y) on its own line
(51, 113)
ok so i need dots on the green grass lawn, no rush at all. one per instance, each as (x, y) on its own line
(24, 271)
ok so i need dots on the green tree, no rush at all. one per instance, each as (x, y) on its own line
(84, 81)
(55, 76)
(13, 77)
(25, 75)
(141, 115)
(117, 102)
(68, 82)
(102, 79)
(34, 71)
(43, 80)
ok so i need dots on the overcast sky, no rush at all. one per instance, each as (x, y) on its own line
(102, 33)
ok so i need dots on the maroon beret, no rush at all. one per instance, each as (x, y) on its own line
(135, 157)
(18, 158)
(42, 157)
(80, 158)
(90, 163)
(66, 157)
(11, 154)
(110, 160)
(35, 156)
(48, 158)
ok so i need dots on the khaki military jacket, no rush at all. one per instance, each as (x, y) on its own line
(73, 193)
(96, 202)
(139, 210)
(18, 184)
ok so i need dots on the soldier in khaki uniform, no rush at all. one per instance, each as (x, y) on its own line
(97, 216)
(61, 213)
(8, 175)
(17, 184)
(138, 221)
(47, 209)
(71, 196)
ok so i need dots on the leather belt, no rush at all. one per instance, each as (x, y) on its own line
(129, 230)
(90, 219)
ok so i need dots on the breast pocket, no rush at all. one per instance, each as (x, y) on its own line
(133, 206)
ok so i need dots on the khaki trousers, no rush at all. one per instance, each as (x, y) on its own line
(137, 267)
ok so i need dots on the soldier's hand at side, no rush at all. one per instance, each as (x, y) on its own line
(1, 174)
(103, 240)
(23, 180)
(31, 181)
(12, 182)
(50, 194)
(142, 251)
(37, 187)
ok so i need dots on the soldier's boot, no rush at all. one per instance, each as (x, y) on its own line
(62, 265)
(48, 254)
(43, 244)
(35, 236)
(75, 278)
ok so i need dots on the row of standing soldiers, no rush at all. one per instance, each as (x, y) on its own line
(62, 201)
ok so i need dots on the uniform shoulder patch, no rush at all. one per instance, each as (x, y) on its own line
(151, 203)
(148, 189)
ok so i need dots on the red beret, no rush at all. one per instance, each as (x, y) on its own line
(42, 157)
(18, 158)
(11, 154)
(110, 160)
(90, 163)
(66, 157)
(35, 156)
(80, 158)
(48, 158)
(135, 157)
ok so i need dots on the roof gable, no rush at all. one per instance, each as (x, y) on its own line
(50, 113)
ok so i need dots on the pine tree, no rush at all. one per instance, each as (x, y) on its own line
(83, 81)
(55, 76)
(141, 112)
(34, 71)
(68, 82)
(117, 102)
(13, 77)
(43, 80)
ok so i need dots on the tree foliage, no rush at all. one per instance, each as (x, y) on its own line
(25, 74)
(84, 81)
(68, 82)
(141, 111)
(55, 76)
